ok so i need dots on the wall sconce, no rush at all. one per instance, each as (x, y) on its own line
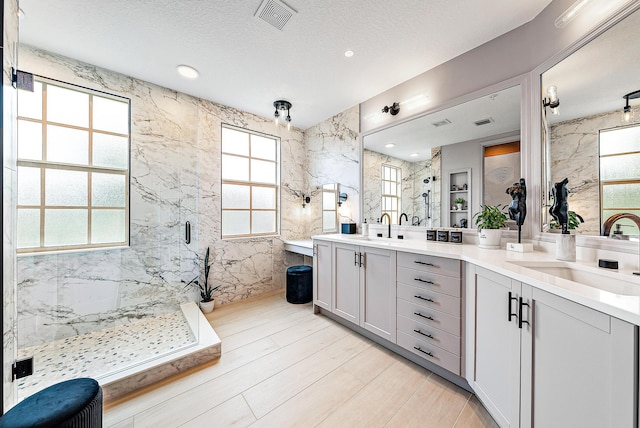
(552, 101)
(342, 197)
(627, 113)
(305, 200)
(281, 106)
(393, 109)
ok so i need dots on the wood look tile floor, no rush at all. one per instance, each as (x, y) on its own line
(283, 366)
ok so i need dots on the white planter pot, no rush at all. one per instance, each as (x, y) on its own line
(459, 207)
(207, 307)
(489, 238)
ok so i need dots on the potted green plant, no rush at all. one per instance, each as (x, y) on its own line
(489, 221)
(207, 300)
(459, 203)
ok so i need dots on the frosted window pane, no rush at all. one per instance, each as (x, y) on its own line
(30, 103)
(393, 175)
(264, 198)
(110, 151)
(387, 188)
(329, 220)
(263, 171)
(628, 226)
(264, 222)
(620, 167)
(29, 140)
(235, 168)
(386, 173)
(65, 188)
(67, 145)
(394, 204)
(28, 228)
(65, 227)
(108, 190)
(28, 186)
(67, 106)
(107, 226)
(110, 115)
(263, 148)
(234, 196)
(622, 140)
(621, 196)
(235, 223)
(235, 142)
(328, 201)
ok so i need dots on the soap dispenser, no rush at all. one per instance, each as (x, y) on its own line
(365, 228)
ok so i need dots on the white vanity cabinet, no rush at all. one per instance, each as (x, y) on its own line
(322, 274)
(429, 308)
(364, 290)
(538, 360)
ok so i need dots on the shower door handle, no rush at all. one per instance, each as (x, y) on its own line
(187, 232)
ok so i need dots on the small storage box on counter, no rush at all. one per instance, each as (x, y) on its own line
(348, 228)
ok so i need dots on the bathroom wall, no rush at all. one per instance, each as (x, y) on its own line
(175, 177)
(9, 199)
(575, 155)
(332, 156)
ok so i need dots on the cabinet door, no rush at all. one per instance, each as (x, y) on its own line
(495, 375)
(580, 364)
(346, 282)
(378, 292)
(322, 274)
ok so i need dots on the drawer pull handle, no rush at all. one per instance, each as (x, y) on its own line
(423, 316)
(422, 333)
(417, 348)
(423, 280)
(423, 263)
(417, 296)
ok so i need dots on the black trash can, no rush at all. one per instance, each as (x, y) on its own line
(299, 284)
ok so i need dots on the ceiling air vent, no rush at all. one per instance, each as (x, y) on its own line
(483, 121)
(275, 13)
(441, 123)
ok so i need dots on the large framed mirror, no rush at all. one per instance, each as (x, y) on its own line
(425, 166)
(594, 139)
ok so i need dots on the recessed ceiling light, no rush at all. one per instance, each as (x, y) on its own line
(187, 71)
(413, 155)
(348, 53)
(389, 145)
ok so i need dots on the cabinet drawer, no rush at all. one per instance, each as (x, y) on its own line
(432, 353)
(430, 317)
(430, 335)
(439, 265)
(429, 299)
(432, 281)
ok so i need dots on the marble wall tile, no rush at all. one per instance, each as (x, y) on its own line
(575, 155)
(9, 200)
(333, 156)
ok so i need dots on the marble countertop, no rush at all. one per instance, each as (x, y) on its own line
(625, 307)
(300, 246)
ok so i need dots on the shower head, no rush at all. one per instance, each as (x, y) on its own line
(425, 181)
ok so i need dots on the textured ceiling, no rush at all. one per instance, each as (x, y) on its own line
(247, 64)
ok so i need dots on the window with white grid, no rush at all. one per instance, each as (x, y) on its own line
(391, 191)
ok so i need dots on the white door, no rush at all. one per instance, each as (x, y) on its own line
(378, 292)
(322, 274)
(496, 374)
(346, 284)
(578, 366)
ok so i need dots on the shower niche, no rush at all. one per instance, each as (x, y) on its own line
(459, 190)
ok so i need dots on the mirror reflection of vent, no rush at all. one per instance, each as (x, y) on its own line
(483, 121)
(275, 12)
(441, 123)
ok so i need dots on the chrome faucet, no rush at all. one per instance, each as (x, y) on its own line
(405, 217)
(382, 217)
(608, 224)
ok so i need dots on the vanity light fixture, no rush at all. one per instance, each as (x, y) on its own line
(552, 101)
(415, 101)
(570, 13)
(187, 71)
(393, 109)
(342, 197)
(281, 106)
(627, 112)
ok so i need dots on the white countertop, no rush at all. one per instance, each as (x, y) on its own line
(300, 246)
(624, 307)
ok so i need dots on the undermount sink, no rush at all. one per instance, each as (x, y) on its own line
(606, 280)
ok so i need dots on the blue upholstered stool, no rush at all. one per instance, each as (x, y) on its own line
(299, 284)
(75, 403)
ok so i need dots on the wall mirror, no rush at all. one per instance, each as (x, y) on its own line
(590, 140)
(330, 194)
(413, 167)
